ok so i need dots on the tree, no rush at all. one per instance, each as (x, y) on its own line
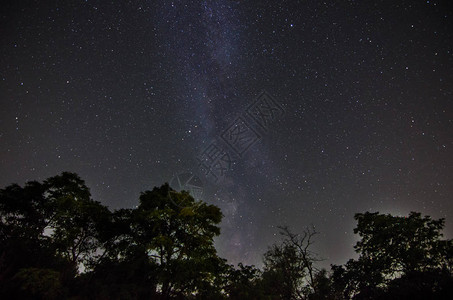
(75, 224)
(48, 228)
(244, 283)
(23, 217)
(176, 240)
(391, 249)
(289, 270)
(40, 283)
(164, 249)
(323, 288)
(53, 230)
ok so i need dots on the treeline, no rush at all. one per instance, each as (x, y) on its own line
(56, 242)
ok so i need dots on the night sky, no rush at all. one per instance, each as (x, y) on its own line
(284, 112)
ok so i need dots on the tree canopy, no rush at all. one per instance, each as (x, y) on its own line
(56, 242)
(393, 249)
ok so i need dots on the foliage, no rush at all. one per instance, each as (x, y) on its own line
(54, 230)
(244, 283)
(391, 250)
(42, 283)
(289, 270)
(56, 242)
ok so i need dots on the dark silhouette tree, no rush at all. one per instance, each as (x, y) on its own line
(24, 217)
(57, 243)
(244, 282)
(48, 230)
(176, 242)
(289, 266)
(323, 287)
(391, 250)
(75, 223)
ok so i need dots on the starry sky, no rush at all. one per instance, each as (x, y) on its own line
(290, 113)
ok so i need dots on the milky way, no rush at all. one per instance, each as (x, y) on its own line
(288, 112)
